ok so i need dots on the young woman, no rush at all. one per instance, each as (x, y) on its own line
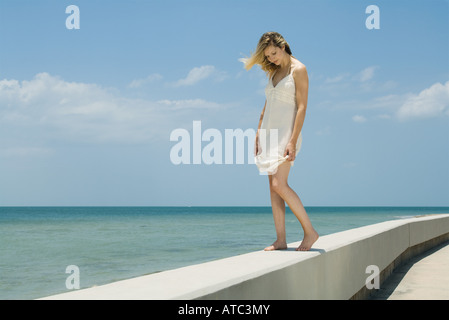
(279, 131)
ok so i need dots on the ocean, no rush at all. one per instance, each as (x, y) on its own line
(108, 244)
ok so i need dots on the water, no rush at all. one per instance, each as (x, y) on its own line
(115, 243)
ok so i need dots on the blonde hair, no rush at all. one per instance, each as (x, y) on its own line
(268, 39)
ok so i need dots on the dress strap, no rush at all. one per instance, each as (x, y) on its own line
(291, 68)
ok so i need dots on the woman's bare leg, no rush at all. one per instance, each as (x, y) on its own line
(278, 208)
(279, 185)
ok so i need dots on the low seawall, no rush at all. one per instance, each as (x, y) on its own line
(335, 268)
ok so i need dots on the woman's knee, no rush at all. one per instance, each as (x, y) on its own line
(278, 185)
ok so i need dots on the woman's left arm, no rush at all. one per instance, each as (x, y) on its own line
(301, 91)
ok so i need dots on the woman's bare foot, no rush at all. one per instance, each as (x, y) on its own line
(277, 245)
(308, 241)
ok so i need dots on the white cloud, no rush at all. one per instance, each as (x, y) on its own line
(48, 108)
(324, 132)
(198, 74)
(353, 92)
(366, 74)
(336, 79)
(354, 83)
(344, 78)
(358, 119)
(349, 165)
(383, 116)
(430, 102)
(189, 104)
(390, 101)
(141, 82)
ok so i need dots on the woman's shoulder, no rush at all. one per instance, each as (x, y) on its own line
(299, 70)
(298, 66)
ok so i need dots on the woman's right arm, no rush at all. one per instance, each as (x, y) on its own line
(261, 117)
(256, 144)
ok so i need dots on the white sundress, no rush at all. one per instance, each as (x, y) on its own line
(277, 125)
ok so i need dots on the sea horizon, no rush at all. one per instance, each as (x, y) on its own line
(225, 206)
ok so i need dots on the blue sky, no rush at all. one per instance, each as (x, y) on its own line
(86, 114)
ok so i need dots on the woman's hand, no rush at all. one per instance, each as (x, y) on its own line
(257, 148)
(290, 150)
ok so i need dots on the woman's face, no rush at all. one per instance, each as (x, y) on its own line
(274, 54)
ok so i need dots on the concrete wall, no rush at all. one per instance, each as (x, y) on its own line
(334, 269)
